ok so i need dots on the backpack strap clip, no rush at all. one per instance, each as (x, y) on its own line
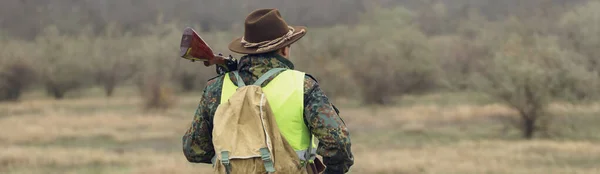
(309, 154)
(225, 161)
(266, 157)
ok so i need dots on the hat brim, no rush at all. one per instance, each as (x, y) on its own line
(236, 45)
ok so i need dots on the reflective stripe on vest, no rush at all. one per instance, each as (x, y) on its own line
(286, 98)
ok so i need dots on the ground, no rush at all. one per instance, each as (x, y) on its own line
(441, 133)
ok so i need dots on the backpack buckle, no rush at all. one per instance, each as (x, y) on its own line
(265, 155)
(225, 161)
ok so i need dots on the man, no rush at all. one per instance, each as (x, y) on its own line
(266, 43)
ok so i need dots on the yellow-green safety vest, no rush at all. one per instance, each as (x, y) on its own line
(285, 94)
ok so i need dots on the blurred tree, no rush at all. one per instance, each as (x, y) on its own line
(27, 18)
(580, 29)
(112, 58)
(385, 55)
(435, 20)
(62, 61)
(458, 59)
(17, 73)
(528, 73)
(323, 54)
(16, 76)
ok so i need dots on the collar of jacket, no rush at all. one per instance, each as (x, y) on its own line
(258, 64)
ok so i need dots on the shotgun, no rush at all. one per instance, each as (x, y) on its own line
(194, 48)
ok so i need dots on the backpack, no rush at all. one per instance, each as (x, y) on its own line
(245, 135)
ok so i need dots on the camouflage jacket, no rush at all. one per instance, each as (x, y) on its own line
(320, 115)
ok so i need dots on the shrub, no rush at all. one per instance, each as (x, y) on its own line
(384, 57)
(324, 56)
(15, 78)
(113, 59)
(17, 73)
(528, 73)
(393, 65)
(457, 57)
(156, 94)
(192, 76)
(62, 64)
(579, 29)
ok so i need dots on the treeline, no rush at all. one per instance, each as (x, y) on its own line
(538, 55)
(524, 61)
(27, 18)
(61, 63)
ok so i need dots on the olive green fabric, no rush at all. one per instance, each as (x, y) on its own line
(245, 124)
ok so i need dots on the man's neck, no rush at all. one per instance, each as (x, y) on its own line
(266, 60)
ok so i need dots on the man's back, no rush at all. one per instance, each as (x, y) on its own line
(319, 115)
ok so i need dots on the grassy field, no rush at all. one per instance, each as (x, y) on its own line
(442, 133)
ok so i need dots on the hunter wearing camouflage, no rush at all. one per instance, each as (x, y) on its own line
(319, 114)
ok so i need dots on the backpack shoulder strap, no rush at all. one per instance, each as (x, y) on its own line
(240, 81)
(267, 75)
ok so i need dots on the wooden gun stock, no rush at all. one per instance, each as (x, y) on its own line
(194, 48)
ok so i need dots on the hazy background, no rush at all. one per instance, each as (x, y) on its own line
(429, 86)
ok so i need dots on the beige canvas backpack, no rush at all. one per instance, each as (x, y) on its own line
(246, 138)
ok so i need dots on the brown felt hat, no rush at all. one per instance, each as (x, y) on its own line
(266, 31)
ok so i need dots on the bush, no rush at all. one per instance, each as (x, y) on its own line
(63, 63)
(528, 73)
(458, 58)
(579, 29)
(15, 78)
(324, 56)
(192, 76)
(113, 59)
(385, 56)
(393, 65)
(158, 63)
(17, 73)
(156, 95)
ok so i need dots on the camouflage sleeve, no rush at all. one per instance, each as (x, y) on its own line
(328, 127)
(197, 141)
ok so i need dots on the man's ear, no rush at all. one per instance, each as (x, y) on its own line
(285, 51)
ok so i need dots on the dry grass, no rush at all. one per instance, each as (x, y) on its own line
(115, 136)
(480, 157)
(50, 127)
(141, 160)
(417, 115)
